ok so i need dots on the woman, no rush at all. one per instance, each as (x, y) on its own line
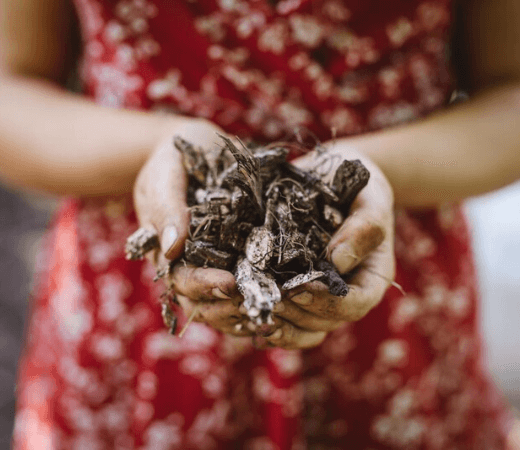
(373, 371)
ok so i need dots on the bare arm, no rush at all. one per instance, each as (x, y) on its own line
(53, 140)
(472, 148)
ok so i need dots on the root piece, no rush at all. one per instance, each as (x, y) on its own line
(333, 216)
(163, 271)
(259, 289)
(169, 318)
(271, 158)
(349, 179)
(259, 247)
(233, 234)
(302, 278)
(337, 286)
(316, 239)
(140, 243)
(252, 207)
(247, 176)
(310, 180)
(188, 322)
(193, 158)
(204, 254)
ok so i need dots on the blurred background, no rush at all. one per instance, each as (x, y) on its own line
(495, 219)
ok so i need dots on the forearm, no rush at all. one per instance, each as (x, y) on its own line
(58, 142)
(466, 150)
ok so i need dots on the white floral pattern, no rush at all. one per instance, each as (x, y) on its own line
(100, 371)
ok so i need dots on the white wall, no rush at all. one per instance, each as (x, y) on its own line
(495, 220)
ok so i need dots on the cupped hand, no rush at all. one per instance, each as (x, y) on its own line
(160, 204)
(362, 249)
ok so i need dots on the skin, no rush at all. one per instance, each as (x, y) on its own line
(445, 157)
(406, 163)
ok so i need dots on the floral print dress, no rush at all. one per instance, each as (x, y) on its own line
(99, 370)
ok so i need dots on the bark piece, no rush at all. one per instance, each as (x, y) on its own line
(312, 181)
(205, 254)
(337, 286)
(168, 316)
(302, 278)
(247, 175)
(263, 219)
(140, 243)
(193, 158)
(259, 247)
(333, 217)
(349, 179)
(259, 289)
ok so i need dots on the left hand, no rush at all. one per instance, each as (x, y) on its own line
(363, 246)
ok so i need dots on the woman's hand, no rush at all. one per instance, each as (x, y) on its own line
(160, 204)
(363, 247)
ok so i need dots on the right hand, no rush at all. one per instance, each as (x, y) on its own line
(160, 204)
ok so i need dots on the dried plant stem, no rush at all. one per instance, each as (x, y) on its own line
(190, 319)
(392, 283)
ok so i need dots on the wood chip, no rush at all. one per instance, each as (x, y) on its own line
(263, 219)
(302, 278)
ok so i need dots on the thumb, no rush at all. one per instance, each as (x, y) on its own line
(160, 200)
(172, 217)
(173, 230)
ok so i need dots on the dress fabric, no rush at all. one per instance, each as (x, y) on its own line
(100, 371)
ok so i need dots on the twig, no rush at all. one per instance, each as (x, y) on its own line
(392, 283)
(190, 319)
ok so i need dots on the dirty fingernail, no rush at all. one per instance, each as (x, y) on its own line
(276, 335)
(169, 237)
(279, 307)
(305, 298)
(216, 292)
(344, 258)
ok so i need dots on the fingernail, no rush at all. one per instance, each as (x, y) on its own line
(276, 335)
(279, 307)
(305, 298)
(343, 258)
(251, 326)
(238, 327)
(242, 309)
(216, 292)
(169, 237)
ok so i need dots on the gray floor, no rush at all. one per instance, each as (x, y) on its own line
(496, 225)
(21, 225)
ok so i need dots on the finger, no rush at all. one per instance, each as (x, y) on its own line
(291, 338)
(223, 316)
(204, 284)
(159, 261)
(361, 233)
(369, 285)
(304, 320)
(160, 199)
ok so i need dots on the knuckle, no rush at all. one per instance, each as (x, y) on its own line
(333, 307)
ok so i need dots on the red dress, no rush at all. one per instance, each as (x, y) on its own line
(99, 370)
